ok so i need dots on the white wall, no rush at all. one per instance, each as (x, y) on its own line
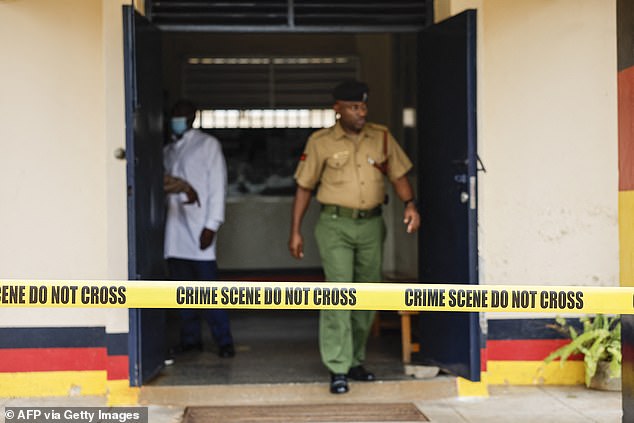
(52, 107)
(63, 214)
(547, 134)
(548, 137)
(116, 187)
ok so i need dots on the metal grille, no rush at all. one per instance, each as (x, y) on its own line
(218, 14)
(361, 13)
(291, 15)
(265, 82)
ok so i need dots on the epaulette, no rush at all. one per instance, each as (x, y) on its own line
(376, 127)
(320, 133)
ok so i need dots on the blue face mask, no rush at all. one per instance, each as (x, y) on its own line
(179, 125)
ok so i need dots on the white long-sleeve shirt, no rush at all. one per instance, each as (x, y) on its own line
(198, 159)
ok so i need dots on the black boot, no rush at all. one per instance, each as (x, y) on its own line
(359, 373)
(338, 383)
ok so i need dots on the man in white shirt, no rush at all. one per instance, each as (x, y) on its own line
(195, 184)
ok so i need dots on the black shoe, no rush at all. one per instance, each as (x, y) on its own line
(359, 373)
(183, 348)
(338, 383)
(226, 351)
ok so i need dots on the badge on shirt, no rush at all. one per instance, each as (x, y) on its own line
(341, 155)
(302, 157)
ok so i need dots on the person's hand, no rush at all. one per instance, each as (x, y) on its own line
(192, 196)
(174, 185)
(296, 245)
(206, 238)
(411, 218)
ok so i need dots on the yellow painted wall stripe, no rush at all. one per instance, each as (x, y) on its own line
(44, 384)
(467, 388)
(121, 393)
(535, 373)
(626, 237)
(312, 295)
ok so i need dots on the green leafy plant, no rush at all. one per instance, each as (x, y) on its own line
(599, 340)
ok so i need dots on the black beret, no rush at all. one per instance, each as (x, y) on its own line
(351, 90)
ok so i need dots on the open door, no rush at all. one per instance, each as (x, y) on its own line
(144, 144)
(448, 246)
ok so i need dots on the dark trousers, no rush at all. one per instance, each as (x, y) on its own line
(217, 319)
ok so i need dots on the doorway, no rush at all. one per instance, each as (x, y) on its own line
(262, 97)
(387, 61)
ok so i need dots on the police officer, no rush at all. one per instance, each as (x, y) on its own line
(349, 163)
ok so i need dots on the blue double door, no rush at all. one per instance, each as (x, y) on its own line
(447, 169)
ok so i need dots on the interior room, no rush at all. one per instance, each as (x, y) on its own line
(262, 95)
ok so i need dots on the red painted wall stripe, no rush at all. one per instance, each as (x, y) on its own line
(52, 359)
(524, 350)
(118, 367)
(626, 129)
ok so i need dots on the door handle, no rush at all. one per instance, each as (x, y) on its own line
(470, 196)
(119, 153)
(472, 192)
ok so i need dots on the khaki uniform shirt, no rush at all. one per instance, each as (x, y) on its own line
(342, 164)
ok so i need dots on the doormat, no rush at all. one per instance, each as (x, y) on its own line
(391, 412)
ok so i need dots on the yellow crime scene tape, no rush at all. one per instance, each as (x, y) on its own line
(316, 295)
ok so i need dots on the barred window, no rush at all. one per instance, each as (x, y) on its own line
(264, 118)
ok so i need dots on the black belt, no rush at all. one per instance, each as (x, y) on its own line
(351, 213)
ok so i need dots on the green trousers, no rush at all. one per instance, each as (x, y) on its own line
(351, 251)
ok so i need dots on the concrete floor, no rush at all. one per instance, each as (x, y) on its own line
(277, 346)
(528, 404)
(515, 404)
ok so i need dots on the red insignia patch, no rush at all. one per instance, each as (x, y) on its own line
(302, 157)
